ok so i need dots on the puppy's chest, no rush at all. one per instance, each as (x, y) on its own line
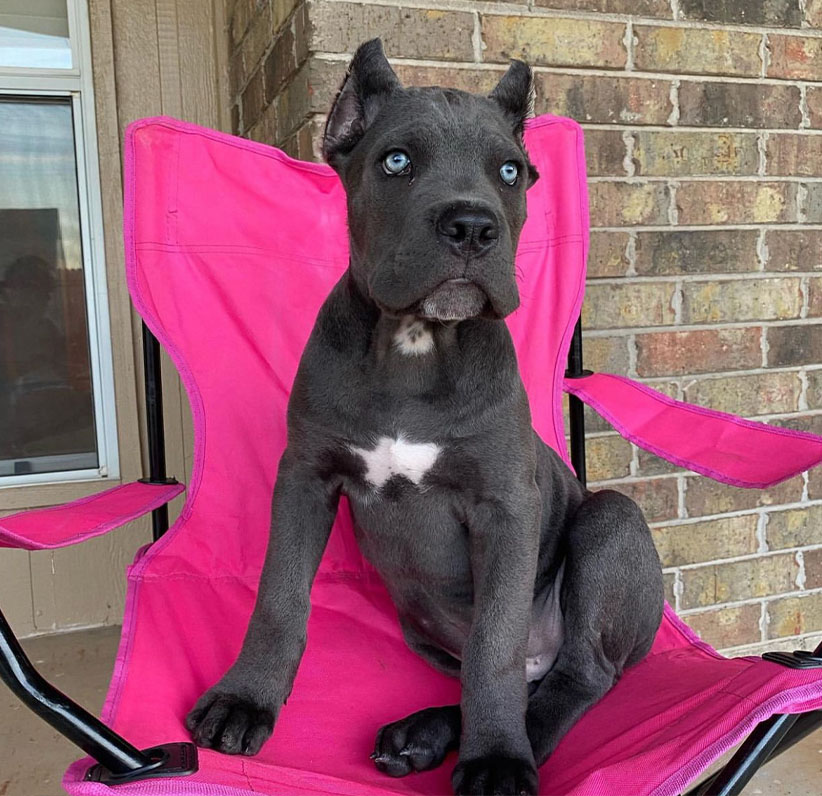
(395, 457)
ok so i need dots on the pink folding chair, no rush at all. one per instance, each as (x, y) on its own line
(231, 248)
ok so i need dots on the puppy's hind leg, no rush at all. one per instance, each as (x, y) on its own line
(612, 606)
(418, 742)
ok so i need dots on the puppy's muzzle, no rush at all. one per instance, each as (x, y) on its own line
(454, 300)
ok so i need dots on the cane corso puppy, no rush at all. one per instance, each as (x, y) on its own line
(506, 572)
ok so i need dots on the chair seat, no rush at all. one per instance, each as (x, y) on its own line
(666, 720)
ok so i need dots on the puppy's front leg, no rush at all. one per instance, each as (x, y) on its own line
(495, 753)
(237, 715)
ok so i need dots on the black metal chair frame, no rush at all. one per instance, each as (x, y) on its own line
(118, 761)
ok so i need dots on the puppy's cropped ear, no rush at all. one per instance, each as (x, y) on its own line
(515, 94)
(368, 84)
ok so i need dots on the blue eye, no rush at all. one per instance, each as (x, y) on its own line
(509, 172)
(396, 162)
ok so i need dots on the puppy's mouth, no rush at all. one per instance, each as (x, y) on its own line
(454, 300)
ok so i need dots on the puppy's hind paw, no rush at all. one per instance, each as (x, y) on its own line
(230, 724)
(418, 742)
(495, 775)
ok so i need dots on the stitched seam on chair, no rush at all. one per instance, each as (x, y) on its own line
(562, 350)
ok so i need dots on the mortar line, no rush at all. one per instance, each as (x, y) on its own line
(703, 609)
(653, 179)
(737, 276)
(764, 621)
(571, 69)
(617, 331)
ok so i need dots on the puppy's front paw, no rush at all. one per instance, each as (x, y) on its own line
(495, 774)
(418, 742)
(229, 723)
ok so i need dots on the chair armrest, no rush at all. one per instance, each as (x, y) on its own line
(722, 446)
(60, 526)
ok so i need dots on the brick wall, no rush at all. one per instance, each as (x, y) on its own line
(704, 154)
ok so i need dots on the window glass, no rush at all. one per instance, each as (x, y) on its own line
(46, 404)
(34, 34)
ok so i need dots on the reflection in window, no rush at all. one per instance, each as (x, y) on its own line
(34, 34)
(46, 405)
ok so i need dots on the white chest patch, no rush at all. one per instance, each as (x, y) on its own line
(413, 336)
(398, 456)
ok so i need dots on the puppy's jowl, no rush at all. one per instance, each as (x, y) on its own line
(505, 571)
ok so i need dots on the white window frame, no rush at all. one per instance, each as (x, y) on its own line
(76, 84)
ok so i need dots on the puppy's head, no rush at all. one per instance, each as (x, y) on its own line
(436, 181)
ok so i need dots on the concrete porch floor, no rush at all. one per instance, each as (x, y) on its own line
(33, 756)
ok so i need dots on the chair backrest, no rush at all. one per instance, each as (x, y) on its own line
(231, 248)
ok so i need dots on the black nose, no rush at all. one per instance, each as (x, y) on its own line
(470, 231)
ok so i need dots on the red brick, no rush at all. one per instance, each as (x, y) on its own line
(607, 255)
(777, 13)
(730, 202)
(812, 205)
(554, 41)
(791, 616)
(644, 8)
(794, 345)
(607, 457)
(813, 13)
(777, 298)
(813, 97)
(739, 580)
(748, 395)
(253, 100)
(657, 497)
(794, 249)
(813, 569)
(405, 32)
(605, 152)
(795, 57)
(711, 540)
(704, 351)
(650, 464)
(613, 306)
(814, 297)
(606, 354)
(704, 496)
(625, 204)
(727, 627)
(717, 104)
(476, 81)
(794, 155)
(794, 528)
(601, 99)
(700, 51)
(675, 153)
(690, 252)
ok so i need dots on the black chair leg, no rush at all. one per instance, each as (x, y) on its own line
(119, 761)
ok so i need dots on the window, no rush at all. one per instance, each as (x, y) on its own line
(56, 388)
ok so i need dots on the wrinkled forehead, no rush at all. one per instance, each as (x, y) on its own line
(446, 121)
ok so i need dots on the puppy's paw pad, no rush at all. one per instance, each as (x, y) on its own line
(416, 743)
(495, 775)
(229, 724)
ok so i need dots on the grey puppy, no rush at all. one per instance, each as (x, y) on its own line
(505, 571)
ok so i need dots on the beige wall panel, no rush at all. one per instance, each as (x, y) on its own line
(15, 591)
(84, 584)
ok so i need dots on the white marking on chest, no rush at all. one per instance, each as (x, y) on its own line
(413, 336)
(398, 456)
